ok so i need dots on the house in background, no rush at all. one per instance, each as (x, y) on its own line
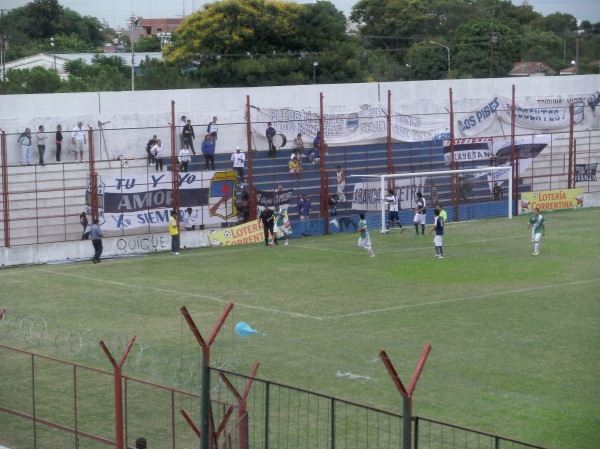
(57, 61)
(532, 69)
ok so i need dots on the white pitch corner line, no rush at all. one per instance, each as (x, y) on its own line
(189, 294)
(465, 298)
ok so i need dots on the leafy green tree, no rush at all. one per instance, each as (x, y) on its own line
(147, 44)
(159, 75)
(35, 81)
(477, 56)
(43, 17)
(259, 42)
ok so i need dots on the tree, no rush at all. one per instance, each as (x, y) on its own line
(35, 81)
(147, 44)
(260, 42)
(43, 17)
(159, 75)
(477, 56)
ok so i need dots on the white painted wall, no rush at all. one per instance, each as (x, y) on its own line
(144, 109)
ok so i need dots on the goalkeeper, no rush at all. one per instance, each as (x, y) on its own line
(393, 206)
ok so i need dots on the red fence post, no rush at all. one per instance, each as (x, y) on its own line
(118, 390)
(5, 204)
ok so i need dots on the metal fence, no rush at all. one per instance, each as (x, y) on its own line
(41, 204)
(50, 403)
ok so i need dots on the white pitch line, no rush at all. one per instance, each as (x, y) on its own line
(190, 294)
(465, 298)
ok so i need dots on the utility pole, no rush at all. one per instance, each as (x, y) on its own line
(3, 47)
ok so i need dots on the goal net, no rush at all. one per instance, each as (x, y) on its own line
(467, 194)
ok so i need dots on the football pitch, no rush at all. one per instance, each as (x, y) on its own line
(515, 338)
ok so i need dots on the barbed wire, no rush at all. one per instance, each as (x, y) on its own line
(177, 368)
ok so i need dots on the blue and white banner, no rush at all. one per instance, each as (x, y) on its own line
(367, 124)
(143, 199)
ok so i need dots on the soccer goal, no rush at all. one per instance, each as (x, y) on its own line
(468, 194)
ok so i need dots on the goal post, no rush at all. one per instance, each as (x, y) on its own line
(466, 194)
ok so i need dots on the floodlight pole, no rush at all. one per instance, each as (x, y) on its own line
(406, 393)
(118, 390)
(206, 432)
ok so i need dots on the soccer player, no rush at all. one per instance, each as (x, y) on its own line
(280, 228)
(364, 240)
(537, 224)
(393, 218)
(438, 227)
(443, 213)
(420, 214)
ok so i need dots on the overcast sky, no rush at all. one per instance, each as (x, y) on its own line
(116, 12)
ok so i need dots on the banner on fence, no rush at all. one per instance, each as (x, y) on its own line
(238, 235)
(367, 194)
(367, 124)
(585, 172)
(551, 200)
(282, 197)
(143, 199)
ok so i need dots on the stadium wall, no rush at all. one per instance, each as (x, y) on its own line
(152, 109)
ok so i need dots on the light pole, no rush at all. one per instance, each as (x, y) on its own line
(493, 42)
(133, 23)
(447, 49)
(315, 64)
(409, 71)
(53, 52)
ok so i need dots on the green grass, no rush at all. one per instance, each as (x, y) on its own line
(515, 338)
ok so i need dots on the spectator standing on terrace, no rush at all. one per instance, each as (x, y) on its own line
(189, 136)
(245, 206)
(25, 142)
(433, 194)
(78, 140)
(158, 150)
(96, 238)
(213, 130)
(270, 133)
(304, 206)
(180, 130)
(341, 183)
(59, 139)
(208, 150)
(40, 138)
(188, 220)
(184, 158)
(174, 232)
(83, 220)
(149, 145)
(238, 159)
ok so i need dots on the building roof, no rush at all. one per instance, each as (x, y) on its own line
(532, 69)
(57, 61)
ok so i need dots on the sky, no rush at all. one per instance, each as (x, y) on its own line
(116, 12)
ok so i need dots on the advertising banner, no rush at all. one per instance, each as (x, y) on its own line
(551, 200)
(145, 199)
